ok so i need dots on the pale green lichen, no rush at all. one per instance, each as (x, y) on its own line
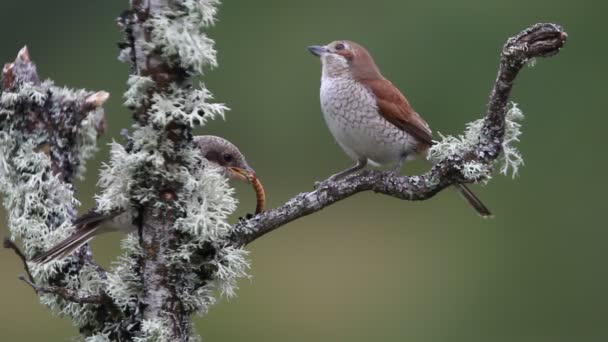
(88, 135)
(37, 95)
(98, 338)
(154, 330)
(26, 176)
(475, 170)
(88, 127)
(123, 285)
(457, 145)
(188, 106)
(177, 32)
(208, 203)
(116, 178)
(137, 93)
(232, 264)
(460, 145)
(39, 203)
(511, 157)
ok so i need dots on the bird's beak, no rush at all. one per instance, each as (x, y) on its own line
(245, 175)
(317, 50)
(249, 176)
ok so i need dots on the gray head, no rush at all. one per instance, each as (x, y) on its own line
(345, 58)
(224, 154)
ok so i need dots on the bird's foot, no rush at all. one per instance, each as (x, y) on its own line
(247, 217)
(333, 178)
(322, 184)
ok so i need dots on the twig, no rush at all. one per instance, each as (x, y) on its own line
(8, 243)
(540, 40)
(64, 293)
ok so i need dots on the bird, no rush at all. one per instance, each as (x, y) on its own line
(369, 117)
(218, 151)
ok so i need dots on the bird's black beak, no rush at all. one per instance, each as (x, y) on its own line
(317, 50)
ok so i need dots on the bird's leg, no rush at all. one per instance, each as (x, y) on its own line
(397, 168)
(361, 163)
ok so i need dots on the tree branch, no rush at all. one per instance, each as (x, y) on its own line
(11, 245)
(46, 135)
(540, 40)
(64, 293)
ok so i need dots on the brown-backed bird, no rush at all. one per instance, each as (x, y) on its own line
(368, 116)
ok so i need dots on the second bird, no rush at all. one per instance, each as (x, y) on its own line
(218, 151)
(368, 116)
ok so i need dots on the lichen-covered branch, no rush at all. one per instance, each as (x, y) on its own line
(46, 135)
(63, 293)
(172, 268)
(469, 158)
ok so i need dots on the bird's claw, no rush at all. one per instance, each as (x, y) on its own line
(247, 217)
(318, 185)
(322, 184)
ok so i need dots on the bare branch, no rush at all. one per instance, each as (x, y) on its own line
(64, 293)
(540, 40)
(8, 243)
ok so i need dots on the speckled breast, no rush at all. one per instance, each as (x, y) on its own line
(352, 116)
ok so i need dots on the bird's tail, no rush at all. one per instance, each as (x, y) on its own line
(87, 226)
(474, 201)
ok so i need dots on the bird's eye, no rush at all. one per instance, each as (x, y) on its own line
(339, 46)
(227, 157)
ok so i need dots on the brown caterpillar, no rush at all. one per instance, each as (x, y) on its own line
(260, 194)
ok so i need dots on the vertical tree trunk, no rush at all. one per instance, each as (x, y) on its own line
(176, 263)
(159, 302)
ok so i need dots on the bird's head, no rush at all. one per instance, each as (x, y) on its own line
(225, 155)
(344, 58)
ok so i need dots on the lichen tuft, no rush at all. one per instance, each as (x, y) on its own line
(460, 145)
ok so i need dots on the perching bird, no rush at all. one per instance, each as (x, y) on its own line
(216, 150)
(368, 116)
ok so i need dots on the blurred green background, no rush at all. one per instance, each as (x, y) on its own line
(373, 267)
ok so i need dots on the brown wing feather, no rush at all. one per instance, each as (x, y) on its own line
(393, 106)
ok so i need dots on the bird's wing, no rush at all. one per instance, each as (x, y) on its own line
(69, 245)
(393, 106)
(93, 216)
(87, 226)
